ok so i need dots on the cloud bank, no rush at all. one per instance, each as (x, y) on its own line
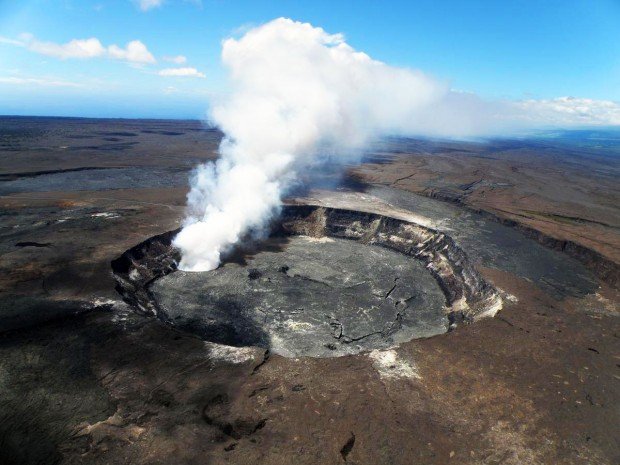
(299, 92)
(568, 111)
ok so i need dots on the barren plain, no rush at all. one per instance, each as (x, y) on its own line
(88, 378)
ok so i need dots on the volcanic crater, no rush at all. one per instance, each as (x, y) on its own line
(327, 282)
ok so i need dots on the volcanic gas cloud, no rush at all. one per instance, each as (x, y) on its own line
(297, 92)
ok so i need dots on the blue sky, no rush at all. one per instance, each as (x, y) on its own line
(496, 49)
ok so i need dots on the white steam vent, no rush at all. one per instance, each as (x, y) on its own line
(296, 92)
(296, 89)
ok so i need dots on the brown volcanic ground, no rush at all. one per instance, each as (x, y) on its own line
(565, 191)
(86, 380)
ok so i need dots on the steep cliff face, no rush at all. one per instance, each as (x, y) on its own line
(139, 266)
(467, 295)
(603, 267)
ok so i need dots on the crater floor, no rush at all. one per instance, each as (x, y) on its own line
(301, 296)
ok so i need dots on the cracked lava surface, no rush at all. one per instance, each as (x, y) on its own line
(307, 296)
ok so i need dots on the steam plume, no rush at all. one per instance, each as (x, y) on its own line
(296, 92)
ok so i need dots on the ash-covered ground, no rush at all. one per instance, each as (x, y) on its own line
(88, 379)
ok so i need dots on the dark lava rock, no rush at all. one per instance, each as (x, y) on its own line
(254, 274)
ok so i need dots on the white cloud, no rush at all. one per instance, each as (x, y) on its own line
(38, 81)
(570, 111)
(134, 52)
(76, 48)
(146, 5)
(179, 59)
(6, 40)
(181, 72)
